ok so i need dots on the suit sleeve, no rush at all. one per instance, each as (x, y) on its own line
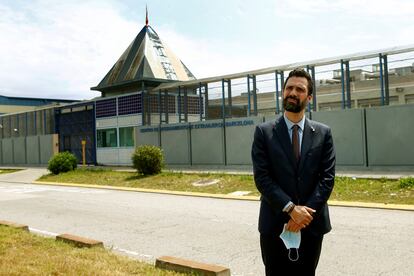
(267, 186)
(326, 175)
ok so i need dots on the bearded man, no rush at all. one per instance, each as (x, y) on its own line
(294, 170)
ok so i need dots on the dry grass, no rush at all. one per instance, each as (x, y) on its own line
(348, 189)
(2, 171)
(22, 253)
(372, 190)
(165, 181)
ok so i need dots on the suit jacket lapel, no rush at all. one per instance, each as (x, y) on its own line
(307, 139)
(283, 136)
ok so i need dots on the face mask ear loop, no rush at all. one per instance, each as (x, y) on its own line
(297, 255)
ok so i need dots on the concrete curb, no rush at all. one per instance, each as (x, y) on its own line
(14, 225)
(164, 262)
(399, 207)
(188, 266)
(68, 238)
(79, 241)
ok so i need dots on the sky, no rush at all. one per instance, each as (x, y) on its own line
(59, 49)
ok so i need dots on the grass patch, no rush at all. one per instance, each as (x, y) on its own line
(372, 190)
(22, 253)
(163, 181)
(407, 182)
(2, 171)
(346, 188)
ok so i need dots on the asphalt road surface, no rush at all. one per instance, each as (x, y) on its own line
(217, 231)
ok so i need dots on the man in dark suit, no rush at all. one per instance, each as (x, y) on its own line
(294, 170)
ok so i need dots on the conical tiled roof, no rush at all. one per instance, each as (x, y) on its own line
(146, 58)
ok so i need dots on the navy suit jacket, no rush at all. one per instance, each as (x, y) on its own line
(280, 180)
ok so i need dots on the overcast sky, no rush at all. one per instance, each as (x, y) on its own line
(59, 49)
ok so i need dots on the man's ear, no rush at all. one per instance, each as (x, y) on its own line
(310, 97)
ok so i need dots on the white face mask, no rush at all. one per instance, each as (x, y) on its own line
(291, 240)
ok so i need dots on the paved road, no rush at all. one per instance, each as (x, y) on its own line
(363, 242)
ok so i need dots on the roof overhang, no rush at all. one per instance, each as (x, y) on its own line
(148, 81)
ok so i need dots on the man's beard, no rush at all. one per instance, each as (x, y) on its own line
(296, 107)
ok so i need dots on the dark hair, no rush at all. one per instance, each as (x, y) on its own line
(299, 72)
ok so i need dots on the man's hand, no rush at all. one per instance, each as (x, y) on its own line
(293, 226)
(301, 216)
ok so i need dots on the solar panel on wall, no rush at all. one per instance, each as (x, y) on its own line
(131, 104)
(106, 108)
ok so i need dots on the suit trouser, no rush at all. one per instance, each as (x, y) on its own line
(276, 260)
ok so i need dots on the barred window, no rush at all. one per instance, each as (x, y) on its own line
(50, 121)
(22, 124)
(14, 125)
(131, 104)
(193, 105)
(39, 122)
(170, 104)
(31, 124)
(106, 108)
(153, 102)
(6, 127)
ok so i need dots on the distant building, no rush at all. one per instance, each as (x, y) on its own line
(126, 102)
(108, 123)
(19, 104)
(149, 86)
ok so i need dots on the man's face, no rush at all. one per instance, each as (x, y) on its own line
(295, 95)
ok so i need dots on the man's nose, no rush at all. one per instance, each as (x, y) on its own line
(293, 91)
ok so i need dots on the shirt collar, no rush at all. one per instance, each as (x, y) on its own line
(290, 124)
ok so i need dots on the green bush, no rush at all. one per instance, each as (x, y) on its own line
(148, 160)
(406, 182)
(62, 162)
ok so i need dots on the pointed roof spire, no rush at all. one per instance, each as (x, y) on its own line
(147, 58)
(146, 15)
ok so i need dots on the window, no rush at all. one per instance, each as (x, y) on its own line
(131, 104)
(126, 136)
(105, 108)
(106, 138)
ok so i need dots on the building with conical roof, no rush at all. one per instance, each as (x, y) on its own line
(146, 63)
(151, 98)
